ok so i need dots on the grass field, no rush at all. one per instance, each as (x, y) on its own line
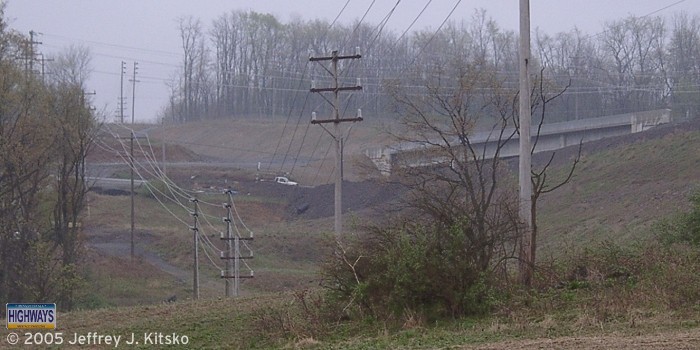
(620, 189)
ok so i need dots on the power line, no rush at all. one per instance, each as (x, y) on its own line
(414, 21)
(198, 232)
(357, 26)
(436, 32)
(306, 99)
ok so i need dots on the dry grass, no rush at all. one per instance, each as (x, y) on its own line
(599, 204)
(249, 142)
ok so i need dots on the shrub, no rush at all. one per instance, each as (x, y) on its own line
(420, 270)
(684, 227)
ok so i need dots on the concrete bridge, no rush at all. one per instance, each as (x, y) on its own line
(553, 136)
(108, 183)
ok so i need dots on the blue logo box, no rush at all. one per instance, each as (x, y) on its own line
(31, 316)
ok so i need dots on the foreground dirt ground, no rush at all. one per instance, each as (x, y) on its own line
(689, 339)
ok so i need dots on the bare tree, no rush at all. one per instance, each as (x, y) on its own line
(443, 120)
(193, 55)
(684, 49)
(43, 142)
(541, 184)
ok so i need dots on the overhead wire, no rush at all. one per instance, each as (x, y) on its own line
(378, 29)
(149, 187)
(301, 113)
(205, 216)
(207, 243)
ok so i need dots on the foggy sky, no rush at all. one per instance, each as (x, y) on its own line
(146, 30)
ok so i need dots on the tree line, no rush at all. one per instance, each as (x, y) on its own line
(251, 65)
(46, 131)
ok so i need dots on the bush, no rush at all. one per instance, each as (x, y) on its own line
(427, 271)
(300, 315)
(683, 227)
(155, 188)
(611, 283)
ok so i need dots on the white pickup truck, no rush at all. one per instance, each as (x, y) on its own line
(285, 181)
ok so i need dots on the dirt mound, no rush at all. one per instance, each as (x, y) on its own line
(111, 151)
(318, 202)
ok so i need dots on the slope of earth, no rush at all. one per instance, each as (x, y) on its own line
(112, 145)
(304, 150)
(243, 323)
(620, 187)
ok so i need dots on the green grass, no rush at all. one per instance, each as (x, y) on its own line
(614, 197)
(239, 323)
(616, 194)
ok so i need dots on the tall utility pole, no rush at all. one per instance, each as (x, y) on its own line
(195, 237)
(43, 65)
(32, 51)
(232, 255)
(163, 147)
(231, 286)
(133, 98)
(336, 134)
(526, 243)
(133, 91)
(133, 216)
(121, 92)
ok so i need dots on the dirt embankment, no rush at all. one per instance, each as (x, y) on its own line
(110, 150)
(318, 202)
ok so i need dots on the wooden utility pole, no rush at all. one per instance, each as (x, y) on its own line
(133, 218)
(121, 92)
(231, 286)
(163, 149)
(133, 91)
(336, 134)
(32, 52)
(132, 166)
(526, 243)
(131, 157)
(195, 238)
(232, 255)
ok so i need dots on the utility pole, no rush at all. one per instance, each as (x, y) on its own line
(43, 66)
(133, 216)
(232, 255)
(133, 91)
(121, 92)
(336, 120)
(132, 165)
(195, 237)
(526, 244)
(32, 54)
(163, 146)
(231, 288)
(131, 156)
